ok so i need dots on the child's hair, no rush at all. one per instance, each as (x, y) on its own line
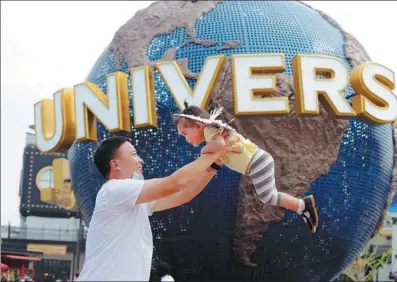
(199, 112)
(194, 111)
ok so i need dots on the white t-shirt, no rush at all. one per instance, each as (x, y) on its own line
(119, 242)
(167, 277)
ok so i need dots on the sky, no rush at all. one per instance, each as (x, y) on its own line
(46, 46)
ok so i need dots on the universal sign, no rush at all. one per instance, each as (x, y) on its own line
(72, 114)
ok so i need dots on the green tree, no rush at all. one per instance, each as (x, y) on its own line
(365, 266)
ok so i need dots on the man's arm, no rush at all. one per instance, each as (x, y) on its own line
(158, 188)
(186, 195)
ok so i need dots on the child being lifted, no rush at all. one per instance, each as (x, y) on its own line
(198, 126)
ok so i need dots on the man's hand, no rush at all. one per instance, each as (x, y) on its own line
(231, 145)
(222, 145)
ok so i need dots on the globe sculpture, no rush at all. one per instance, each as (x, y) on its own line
(221, 234)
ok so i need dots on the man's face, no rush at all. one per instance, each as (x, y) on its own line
(127, 160)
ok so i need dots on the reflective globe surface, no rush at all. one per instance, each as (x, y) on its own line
(197, 238)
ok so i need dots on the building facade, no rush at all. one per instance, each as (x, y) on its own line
(50, 240)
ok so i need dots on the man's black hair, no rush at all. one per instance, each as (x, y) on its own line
(106, 151)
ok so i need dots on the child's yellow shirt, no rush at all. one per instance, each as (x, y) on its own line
(235, 161)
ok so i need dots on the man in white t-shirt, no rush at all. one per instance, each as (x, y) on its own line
(119, 243)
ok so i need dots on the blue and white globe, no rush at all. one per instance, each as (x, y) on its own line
(206, 238)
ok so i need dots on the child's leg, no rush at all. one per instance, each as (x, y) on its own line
(291, 203)
(263, 176)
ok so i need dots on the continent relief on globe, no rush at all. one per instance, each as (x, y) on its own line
(356, 55)
(304, 148)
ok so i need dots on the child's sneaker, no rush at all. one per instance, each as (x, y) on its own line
(309, 214)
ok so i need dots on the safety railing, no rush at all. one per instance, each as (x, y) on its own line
(50, 234)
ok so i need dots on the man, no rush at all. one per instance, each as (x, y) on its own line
(119, 242)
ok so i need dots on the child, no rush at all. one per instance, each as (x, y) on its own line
(197, 126)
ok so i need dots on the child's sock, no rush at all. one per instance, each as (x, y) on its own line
(275, 200)
(301, 206)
